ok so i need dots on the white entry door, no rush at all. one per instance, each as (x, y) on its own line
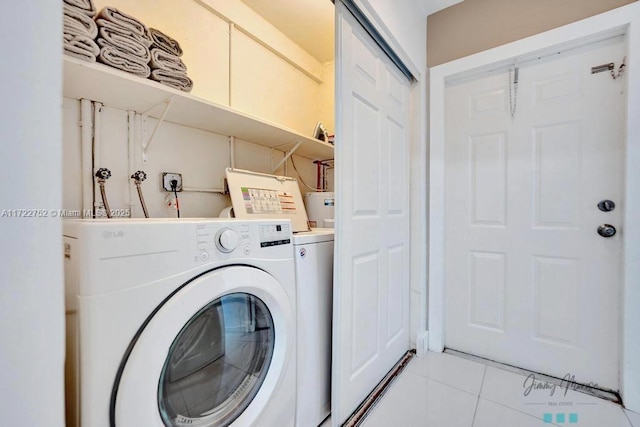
(371, 276)
(529, 281)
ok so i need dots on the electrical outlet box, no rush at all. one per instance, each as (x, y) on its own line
(167, 177)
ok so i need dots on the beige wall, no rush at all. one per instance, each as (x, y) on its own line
(477, 25)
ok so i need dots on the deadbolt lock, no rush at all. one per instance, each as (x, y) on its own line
(606, 205)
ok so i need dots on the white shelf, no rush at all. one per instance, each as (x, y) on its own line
(115, 88)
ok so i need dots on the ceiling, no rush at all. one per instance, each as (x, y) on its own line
(309, 23)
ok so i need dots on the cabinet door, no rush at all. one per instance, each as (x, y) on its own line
(265, 85)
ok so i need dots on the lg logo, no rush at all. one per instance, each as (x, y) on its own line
(302, 252)
(110, 234)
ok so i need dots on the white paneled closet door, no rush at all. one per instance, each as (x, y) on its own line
(371, 276)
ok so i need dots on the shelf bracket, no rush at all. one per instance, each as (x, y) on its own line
(286, 156)
(145, 145)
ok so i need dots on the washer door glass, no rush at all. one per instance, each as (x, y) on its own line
(217, 363)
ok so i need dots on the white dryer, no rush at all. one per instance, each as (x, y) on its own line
(314, 278)
(180, 322)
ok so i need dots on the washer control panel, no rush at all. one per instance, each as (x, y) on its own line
(219, 240)
(275, 234)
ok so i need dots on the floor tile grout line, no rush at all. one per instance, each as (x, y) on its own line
(451, 386)
(484, 375)
(422, 374)
(475, 411)
(626, 414)
(464, 360)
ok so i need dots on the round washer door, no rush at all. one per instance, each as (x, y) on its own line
(212, 355)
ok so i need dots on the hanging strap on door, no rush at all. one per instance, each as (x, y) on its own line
(513, 90)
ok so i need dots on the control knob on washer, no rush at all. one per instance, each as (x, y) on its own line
(226, 240)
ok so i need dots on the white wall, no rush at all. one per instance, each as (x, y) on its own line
(406, 20)
(32, 304)
(200, 156)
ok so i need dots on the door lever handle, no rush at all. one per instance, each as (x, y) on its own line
(607, 230)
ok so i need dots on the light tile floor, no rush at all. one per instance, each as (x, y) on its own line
(441, 390)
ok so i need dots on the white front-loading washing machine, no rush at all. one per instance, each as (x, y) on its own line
(180, 323)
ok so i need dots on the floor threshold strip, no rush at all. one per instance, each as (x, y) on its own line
(605, 394)
(378, 392)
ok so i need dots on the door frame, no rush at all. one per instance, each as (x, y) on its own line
(623, 20)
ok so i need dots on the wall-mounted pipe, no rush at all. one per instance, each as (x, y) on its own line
(97, 149)
(230, 70)
(86, 152)
(232, 152)
(131, 118)
(202, 190)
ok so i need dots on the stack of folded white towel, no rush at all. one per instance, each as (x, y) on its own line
(80, 30)
(166, 65)
(124, 42)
